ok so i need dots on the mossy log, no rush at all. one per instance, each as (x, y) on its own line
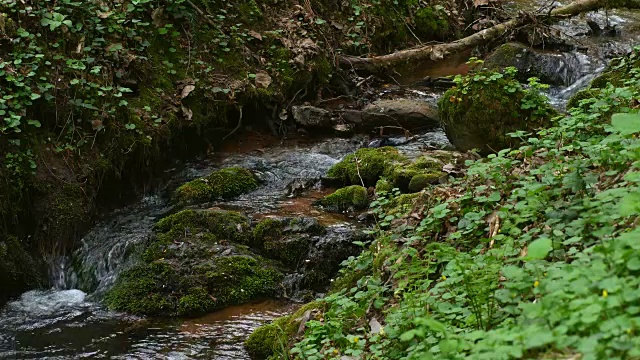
(441, 51)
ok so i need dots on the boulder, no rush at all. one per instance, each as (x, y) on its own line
(222, 184)
(312, 117)
(349, 198)
(554, 68)
(485, 108)
(398, 114)
(193, 264)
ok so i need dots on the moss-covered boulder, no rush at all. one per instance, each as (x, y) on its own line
(194, 264)
(271, 341)
(365, 165)
(349, 198)
(422, 172)
(286, 239)
(19, 270)
(222, 184)
(485, 107)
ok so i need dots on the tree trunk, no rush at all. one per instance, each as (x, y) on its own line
(441, 51)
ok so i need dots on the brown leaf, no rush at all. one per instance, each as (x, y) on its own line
(255, 35)
(97, 125)
(187, 90)
(263, 80)
(156, 16)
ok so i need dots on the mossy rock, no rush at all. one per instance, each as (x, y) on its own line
(349, 198)
(423, 169)
(371, 165)
(19, 270)
(194, 264)
(286, 239)
(222, 225)
(485, 107)
(222, 184)
(271, 341)
(383, 185)
(423, 181)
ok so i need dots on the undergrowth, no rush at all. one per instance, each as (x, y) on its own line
(534, 253)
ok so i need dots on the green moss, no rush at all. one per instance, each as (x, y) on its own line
(401, 204)
(422, 181)
(353, 197)
(238, 279)
(222, 225)
(370, 166)
(271, 340)
(383, 185)
(198, 301)
(431, 23)
(268, 229)
(144, 290)
(221, 184)
(583, 94)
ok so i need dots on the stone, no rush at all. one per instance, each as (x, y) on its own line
(554, 68)
(311, 116)
(396, 114)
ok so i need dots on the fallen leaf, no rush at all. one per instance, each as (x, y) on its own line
(255, 35)
(97, 125)
(188, 114)
(156, 16)
(187, 90)
(263, 80)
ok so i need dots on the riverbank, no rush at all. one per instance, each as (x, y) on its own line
(531, 254)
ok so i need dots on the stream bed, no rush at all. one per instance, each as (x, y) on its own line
(66, 322)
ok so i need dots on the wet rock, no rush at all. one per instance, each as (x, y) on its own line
(552, 68)
(297, 186)
(312, 251)
(396, 114)
(312, 117)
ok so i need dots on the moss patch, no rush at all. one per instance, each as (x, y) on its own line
(272, 340)
(371, 164)
(221, 184)
(350, 198)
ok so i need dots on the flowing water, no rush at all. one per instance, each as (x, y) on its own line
(69, 321)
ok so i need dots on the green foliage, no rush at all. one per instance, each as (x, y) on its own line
(221, 184)
(349, 198)
(485, 106)
(365, 166)
(533, 254)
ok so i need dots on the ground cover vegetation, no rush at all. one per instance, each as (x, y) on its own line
(94, 94)
(533, 253)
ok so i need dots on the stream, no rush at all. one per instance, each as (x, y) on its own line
(68, 321)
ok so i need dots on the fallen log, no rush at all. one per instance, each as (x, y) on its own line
(441, 51)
